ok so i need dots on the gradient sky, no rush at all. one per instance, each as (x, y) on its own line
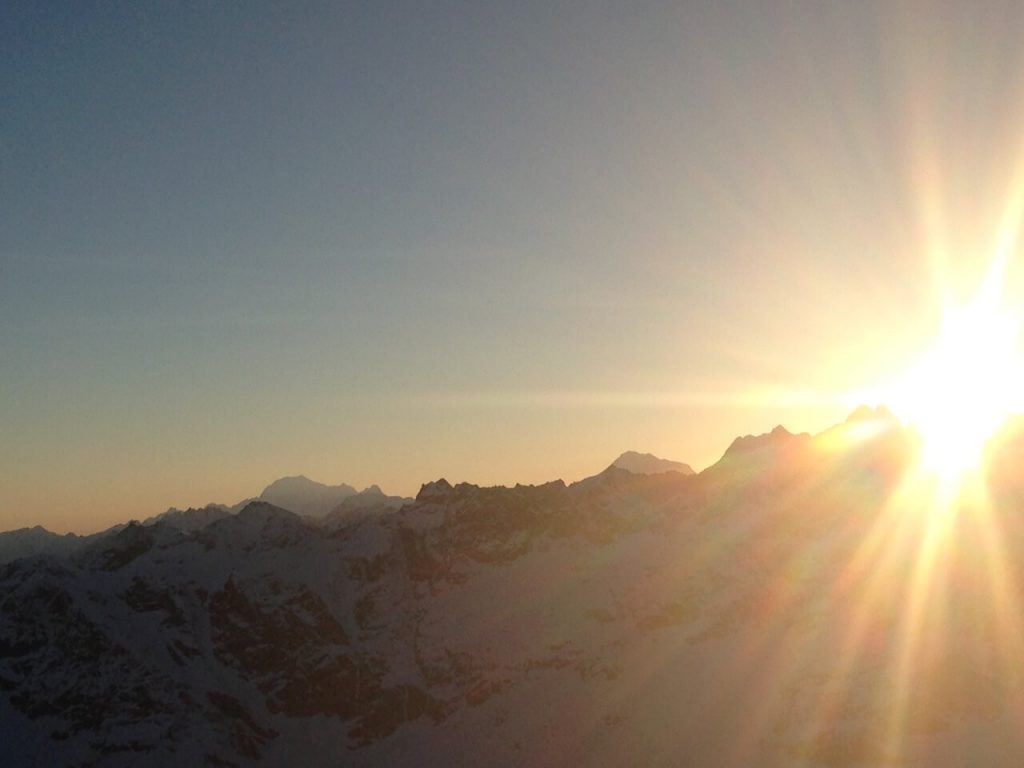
(389, 242)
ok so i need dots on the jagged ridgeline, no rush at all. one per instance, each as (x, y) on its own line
(750, 614)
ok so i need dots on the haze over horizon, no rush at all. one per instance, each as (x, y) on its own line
(495, 243)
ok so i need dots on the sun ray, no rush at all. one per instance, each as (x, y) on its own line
(1002, 590)
(940, 515)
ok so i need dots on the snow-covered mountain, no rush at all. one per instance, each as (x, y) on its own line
(306, 497)
(772, 610)
(334, 504)
(649, 464)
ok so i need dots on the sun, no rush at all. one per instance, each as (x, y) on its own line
(965, 384)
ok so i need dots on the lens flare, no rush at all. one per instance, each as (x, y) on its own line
(965, 385)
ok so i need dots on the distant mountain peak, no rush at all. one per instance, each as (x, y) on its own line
(649, 464)
(303, 496)
(292, 482)
(864, 413)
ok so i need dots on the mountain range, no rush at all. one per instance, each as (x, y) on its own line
(299, 494)
(789, 605)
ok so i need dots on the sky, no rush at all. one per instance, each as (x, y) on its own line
(492, 242)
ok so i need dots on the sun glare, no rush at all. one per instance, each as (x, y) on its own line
(965, 385)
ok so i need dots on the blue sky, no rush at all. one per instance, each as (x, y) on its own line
(496, 242)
